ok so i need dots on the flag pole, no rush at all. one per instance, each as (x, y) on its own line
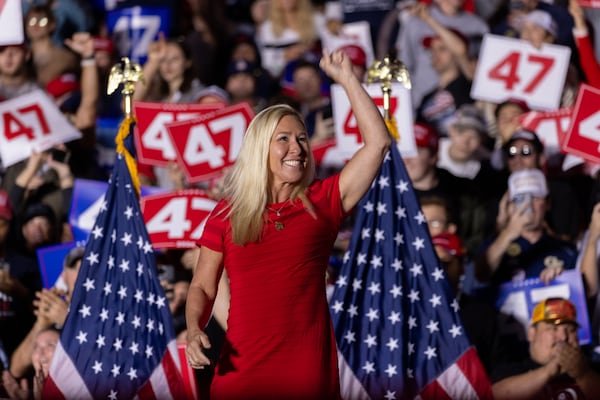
(387, 71)
(127, 74)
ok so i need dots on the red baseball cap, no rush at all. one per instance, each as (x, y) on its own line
(426, 136)
(356, 54)
(5, 209)
(450, 242)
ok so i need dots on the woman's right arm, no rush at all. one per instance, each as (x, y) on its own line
(199, 304)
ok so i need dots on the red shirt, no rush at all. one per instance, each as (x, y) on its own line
(280, 341)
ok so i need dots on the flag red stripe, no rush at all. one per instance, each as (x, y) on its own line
(434, 391)
(172, 374)
(51, 391)
(188, 374)
(471, 366)
(468, 373)
(146, 392)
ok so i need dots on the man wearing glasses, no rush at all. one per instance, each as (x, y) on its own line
(524, 150)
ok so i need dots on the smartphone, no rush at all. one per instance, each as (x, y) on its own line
(59, 155)
(524, 198)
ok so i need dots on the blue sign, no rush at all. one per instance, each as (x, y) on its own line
(518, 298)
(133, 29)
(51, 259)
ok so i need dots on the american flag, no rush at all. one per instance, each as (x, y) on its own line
(118, 340)
(395, 318)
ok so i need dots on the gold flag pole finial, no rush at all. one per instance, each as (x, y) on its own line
(386, 72)
(126, 73)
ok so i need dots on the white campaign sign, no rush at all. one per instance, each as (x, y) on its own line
(513, 68)
(31, 122)
(11, 21)
(348, 138)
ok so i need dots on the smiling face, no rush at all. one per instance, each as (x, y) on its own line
(43, 350)
(288, 151)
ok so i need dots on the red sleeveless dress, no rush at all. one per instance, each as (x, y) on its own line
(280, 341)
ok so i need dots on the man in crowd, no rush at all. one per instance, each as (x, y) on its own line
(556, 367)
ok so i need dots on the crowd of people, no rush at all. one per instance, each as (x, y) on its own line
(501, 205)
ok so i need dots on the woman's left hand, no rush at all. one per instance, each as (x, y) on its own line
(549, 273)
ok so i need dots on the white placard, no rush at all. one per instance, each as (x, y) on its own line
(513, 68)
(11, 21)
(31, 122)
(348, 138)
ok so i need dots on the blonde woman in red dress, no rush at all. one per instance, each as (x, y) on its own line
(273, 233)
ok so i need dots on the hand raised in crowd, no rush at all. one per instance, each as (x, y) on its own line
(50, 306)
(519, 218)
(29, 177)
(62, 168)
(157, 49)
(81, 43)
(577, 13)
(324, 129)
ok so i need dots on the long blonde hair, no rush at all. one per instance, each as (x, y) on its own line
(246, 186)
(304, 13)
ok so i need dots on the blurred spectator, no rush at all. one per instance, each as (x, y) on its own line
(539, 27)
(244, 48)
(464, 154)
(505, 123)
(479, 318)
(169, 74)
(512, 23)
(42, 179)
(19, 280)
(242, 82)
(556, 367)
(427, 178)
(411, 51)
(293, 29)
(439, 105)
(51, 307)
(209, 44)
(358, 57)
(49, 59)
(523, 248)
(71, 17)
(314, 106)
(44, 344)
(16, 71)
(524, 150)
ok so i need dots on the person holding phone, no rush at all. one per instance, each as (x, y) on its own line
(523, 247)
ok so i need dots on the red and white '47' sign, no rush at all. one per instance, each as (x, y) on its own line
(513, 68)
(31, 122)
(175, 220)
(11, 21)
(206, 145)
(590, 3)
(153, 143)
(551, 127)
(583, 136)
(348, 137)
